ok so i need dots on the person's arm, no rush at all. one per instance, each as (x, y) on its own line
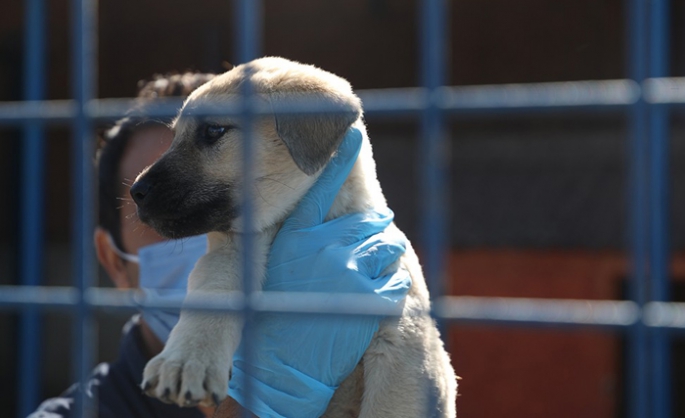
(229, 408)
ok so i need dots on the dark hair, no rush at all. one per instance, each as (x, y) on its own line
(113, 142)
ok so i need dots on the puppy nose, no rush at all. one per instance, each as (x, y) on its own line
(140, 190)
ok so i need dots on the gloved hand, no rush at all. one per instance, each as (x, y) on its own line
(297, 361)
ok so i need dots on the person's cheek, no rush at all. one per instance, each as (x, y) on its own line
(132, 272)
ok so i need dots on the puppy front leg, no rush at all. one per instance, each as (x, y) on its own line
(195, 364)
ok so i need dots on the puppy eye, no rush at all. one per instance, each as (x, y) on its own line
(211, 133)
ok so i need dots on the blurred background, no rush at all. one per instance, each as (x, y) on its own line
(537, 204)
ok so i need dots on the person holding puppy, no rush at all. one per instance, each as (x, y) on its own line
(136, 257)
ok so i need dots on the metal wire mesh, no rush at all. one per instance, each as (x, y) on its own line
(644, 96)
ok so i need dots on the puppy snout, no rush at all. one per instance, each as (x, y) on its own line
(141, 190)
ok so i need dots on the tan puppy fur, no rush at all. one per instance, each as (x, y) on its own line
(195, 188)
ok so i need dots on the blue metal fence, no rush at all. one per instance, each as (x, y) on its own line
(645, 96)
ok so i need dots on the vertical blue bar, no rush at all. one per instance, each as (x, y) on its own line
(638, 376)
(33, 157)
(435, 153)
(434, 156)
(84, 35)
(248, 20)
(659, 251)
(248, 24)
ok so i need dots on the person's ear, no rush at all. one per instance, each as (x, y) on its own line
(110, 260)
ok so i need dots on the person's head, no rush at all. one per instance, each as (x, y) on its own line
(132, 144)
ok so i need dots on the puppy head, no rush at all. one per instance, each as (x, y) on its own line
(197, 186)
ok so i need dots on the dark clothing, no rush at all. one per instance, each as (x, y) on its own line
(114, 389)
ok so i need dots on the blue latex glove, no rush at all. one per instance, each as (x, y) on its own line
(299, 360)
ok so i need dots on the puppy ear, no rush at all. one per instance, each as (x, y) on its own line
(312, 139)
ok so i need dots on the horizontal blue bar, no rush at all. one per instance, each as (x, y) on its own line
(404, 101)
(551, 311)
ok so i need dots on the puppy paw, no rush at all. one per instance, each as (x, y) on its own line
(186, 379)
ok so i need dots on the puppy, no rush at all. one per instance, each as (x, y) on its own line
(195, 188)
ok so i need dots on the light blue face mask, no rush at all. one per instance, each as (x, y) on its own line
(164, 269)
